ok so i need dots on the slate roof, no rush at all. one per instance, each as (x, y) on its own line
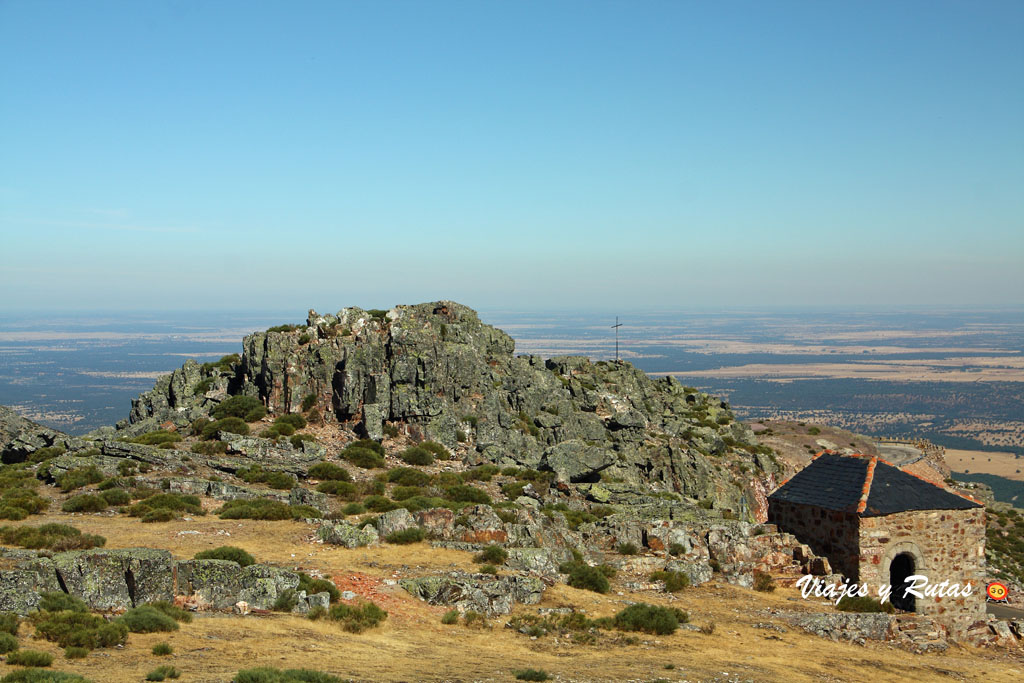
(865, 485)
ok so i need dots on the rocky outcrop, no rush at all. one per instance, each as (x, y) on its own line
(346, 535)
(484, 593)
(435, 371)
(20, 437)
(116, 579)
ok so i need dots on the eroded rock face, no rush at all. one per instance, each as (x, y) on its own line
(484, 593)
(116, 579)
(20, 437)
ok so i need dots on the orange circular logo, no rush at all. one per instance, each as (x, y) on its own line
(996, 591)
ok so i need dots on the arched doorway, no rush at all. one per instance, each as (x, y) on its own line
(900, 568)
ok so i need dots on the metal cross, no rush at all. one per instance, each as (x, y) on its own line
(616, 327)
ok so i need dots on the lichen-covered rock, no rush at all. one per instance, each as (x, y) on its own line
(539, 561)
(846, 625)
(216, 583)
(490, 595)
(262, 584)
(394, 520)
(576, 461)
(304, 496)
(117, 579)
(438, 522)
(20, 437)
(346, 535)
(697, 572)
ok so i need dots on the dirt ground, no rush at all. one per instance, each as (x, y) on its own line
(412, 645)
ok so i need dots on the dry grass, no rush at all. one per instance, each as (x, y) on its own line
(412, 645)
(1003, 464)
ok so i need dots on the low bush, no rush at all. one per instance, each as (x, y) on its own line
(356, 619)
(30, 658)
(531, 675)
(467, 494)
(74, 628)
(116, 497)
(162, 673)
(286, 600)
(165, 506)
(147, 619)
(390, 430)
(294, 419)
(308, 401)
(79, 477)
(227, 552)
(75, 652)
(61, 602)
(42, 676)
(674, 581)
(328, 471)
(488, 569)
(627, 549)
(9, 622)
(162, 649)
(406, 476)
(582, 575)
(481, 473)
(363, 457)
(313, 586)
(676, 549)
(58, 537)
(236, 406)
(316, 613)
(450, 617)
(157, 438)
(661, 621)
(353, 509)
(8, 643)
(345, 490)
(272, 478)
(234, 425)
(405, 536)
(492, 554)
(415, 455)
(864, 604)
(86, 502)
(263, 508)
(436, 449)
(209, 447)
(763, 582)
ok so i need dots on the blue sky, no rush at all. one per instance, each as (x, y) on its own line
(519, 154)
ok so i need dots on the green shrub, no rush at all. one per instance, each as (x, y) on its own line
(162, 649)
(298, 439)
(308, 401)
(379, 504)
(42, 676)
(460, 436)
(175, 502)
(328, 471)
(9, 622)
(160, 515)
(436, 449)
(488, 569)
(582, 575)
(79, 477)
(390, 430)
(492, 554)
(316, 613)
(313, 586)
(450, 617)
(270, 675)
(295, 420)
(405, 536)
(236, 406)
(676, 549)
(282, 328)
(259, 508)
(467, 494)
(72, 628)
(273, 478)
(345, 490)
(85, 502)
(75, 652)
(513, 490)
(209, 447)
(406, 476)
(147, 619)
(661, 621)
(286, 600)
(61, 602)
(116, 497)
(255, 415)
(481, 473)
(415, 455)
(864, 604)
(531, 675)
(58, 537)
(353, 509)
(627, 549)
(405, 492)
(356, 619)
(30, 658)
(363, 457)
(674, 581)
(234, 425)
(162, 673)
(8, 643)
(227, 552)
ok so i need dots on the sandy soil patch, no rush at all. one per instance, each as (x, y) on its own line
(1003, 464)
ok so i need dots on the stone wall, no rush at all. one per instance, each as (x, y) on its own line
(947, 545)
(831, 533)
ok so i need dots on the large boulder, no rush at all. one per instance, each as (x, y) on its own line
(263, 584)
(117, 579)
(346, 535)
(216, 583)
(394, 521)
(576, 461)
(484, 593)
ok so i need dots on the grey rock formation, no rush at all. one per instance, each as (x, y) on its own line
(116, 579)
(484, 593)
(346, 535)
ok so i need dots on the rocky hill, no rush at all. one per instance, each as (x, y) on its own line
(435, 372)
